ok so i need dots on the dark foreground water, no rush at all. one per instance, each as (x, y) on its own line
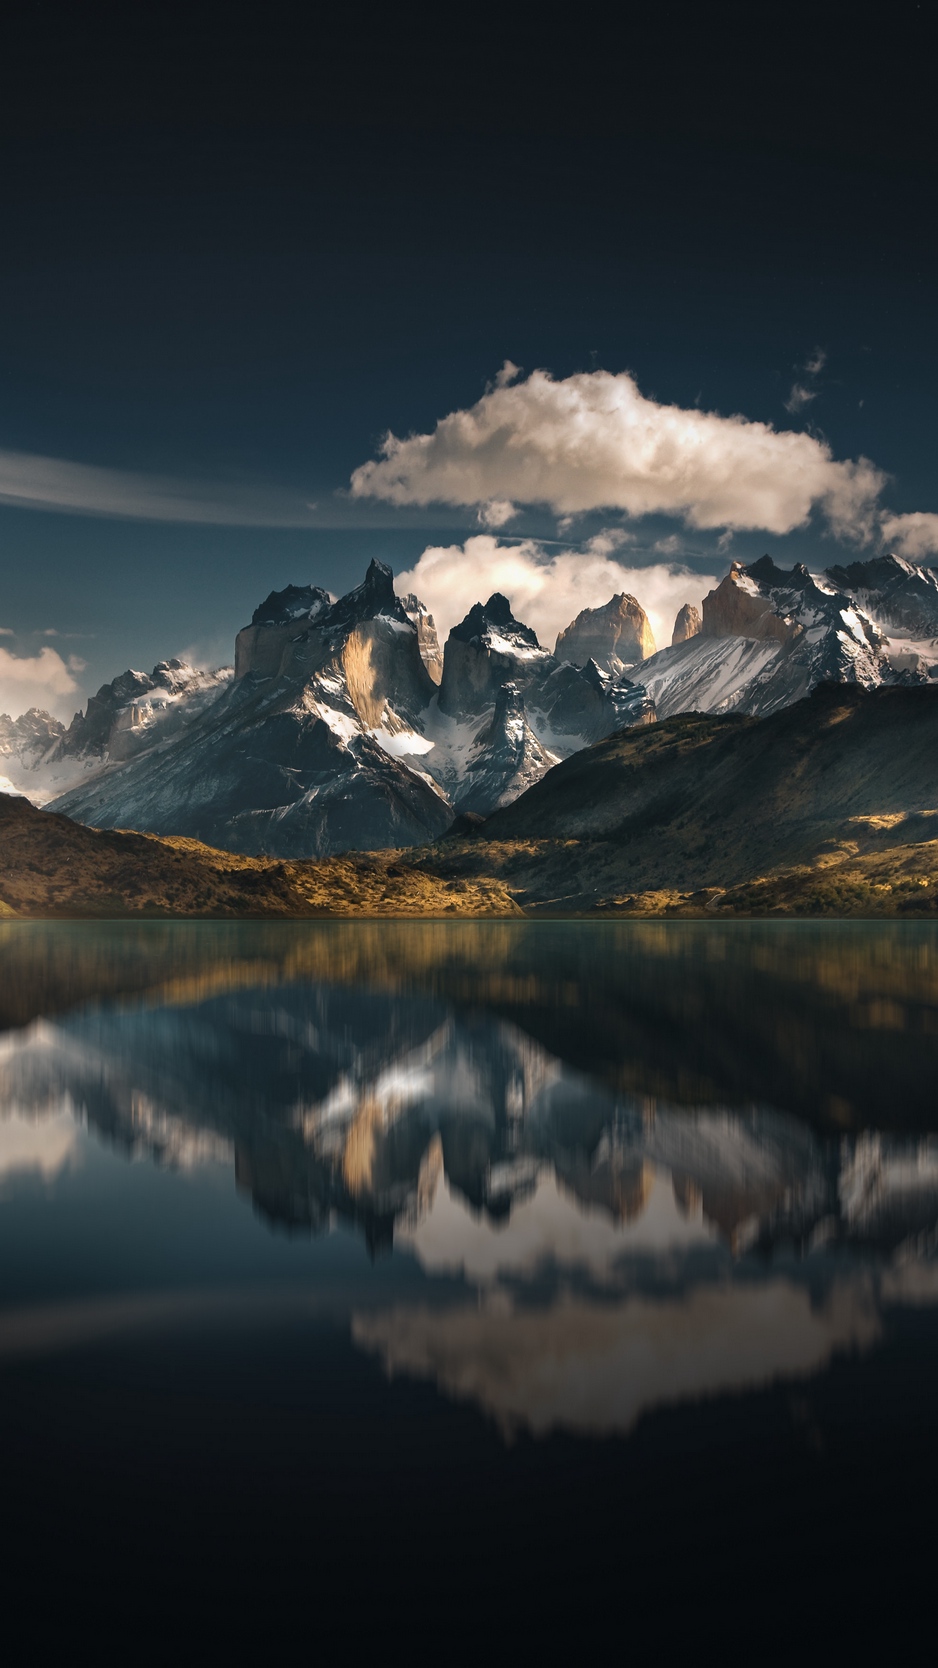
(470, 1290)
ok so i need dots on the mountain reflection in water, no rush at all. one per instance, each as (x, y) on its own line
(635, 1166)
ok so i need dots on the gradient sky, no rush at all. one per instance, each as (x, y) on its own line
(226, 273)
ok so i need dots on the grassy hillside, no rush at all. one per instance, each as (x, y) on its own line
(827, 807)
(50, 866)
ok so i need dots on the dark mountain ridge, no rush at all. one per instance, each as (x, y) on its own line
(698, 802)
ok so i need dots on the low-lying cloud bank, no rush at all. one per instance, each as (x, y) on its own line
(39, 680)
(547, 592)
(593, 441)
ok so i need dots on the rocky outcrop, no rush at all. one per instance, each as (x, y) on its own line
(576, 706)
(741, 607)
(505, 759)
(27, 746)
(30, 737)
(127, 715)
(301, 761)
(487, 649)
(898, 595)
(902, 600)
(427, 640)
(567, 706)
(686, 625)
(615, 636)
(284, 615)
(769, 636)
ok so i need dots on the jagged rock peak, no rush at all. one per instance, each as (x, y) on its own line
(507, 756)
(296, 602)
(428, 642)
(301, 610)
(879, 572)
(595, 676)
(739, 607)
(92, 731)
(686, 625)
(616, 634)
(26, 743)
(900, 596)
(493, 619)
(509, 702)
(375, 595)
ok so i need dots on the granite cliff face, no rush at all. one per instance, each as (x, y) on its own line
(129, 714)
(40, 758)
(428, 642)
(615, 636)
(487, 649)
(567, 705)
(278, 620)
(686, 625)
(295, 756)
(505, 758)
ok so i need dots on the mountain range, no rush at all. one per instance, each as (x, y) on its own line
(343, 726)
(361, 1101)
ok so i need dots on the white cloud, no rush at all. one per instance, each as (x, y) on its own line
(547, 592)
(39, 680)
(914, 536)
(593, 441)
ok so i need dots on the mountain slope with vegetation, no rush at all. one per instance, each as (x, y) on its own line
(51, 866)
(688, 812)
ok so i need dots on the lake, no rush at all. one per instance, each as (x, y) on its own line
(469, 1287)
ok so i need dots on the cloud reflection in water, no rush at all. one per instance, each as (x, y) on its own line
(622, 1241)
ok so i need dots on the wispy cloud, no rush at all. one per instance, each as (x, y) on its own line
(802, 393)
(593, 441)
(32, 482)
(799, 397)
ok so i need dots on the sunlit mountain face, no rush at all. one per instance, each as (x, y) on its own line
(635, 1216)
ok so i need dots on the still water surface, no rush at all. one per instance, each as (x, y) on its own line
(542, 1282)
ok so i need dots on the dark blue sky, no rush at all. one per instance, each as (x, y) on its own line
(245, 302)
